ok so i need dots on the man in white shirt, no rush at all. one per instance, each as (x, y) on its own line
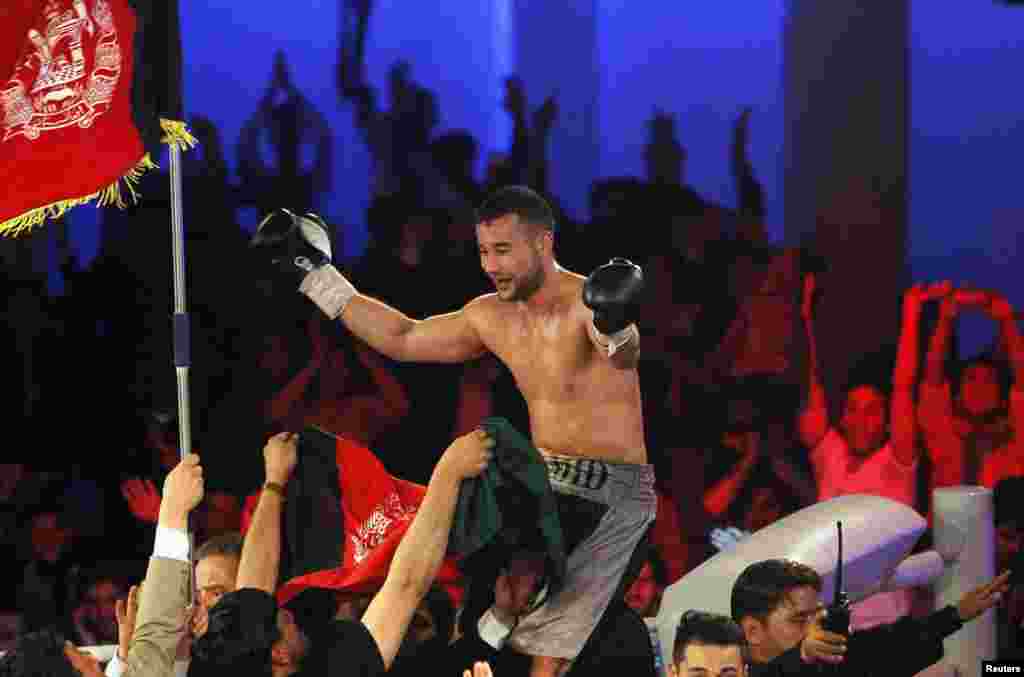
(873, 449)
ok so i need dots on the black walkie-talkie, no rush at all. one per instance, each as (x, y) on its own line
(837, 619)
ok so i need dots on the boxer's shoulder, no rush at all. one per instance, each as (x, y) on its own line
(482, 307)
(484, 312)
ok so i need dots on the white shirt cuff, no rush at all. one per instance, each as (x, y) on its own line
(171, 544)
(115, 667)
(493, 631)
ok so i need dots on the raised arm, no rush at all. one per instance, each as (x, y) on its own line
(749, 193)
(447, 338)
(1009, 335)
(902, 414)
(718, 498)
(612, 293)
(260, 562)
(162, 601)
(299, 250)
(813, 422)
(938, 347)
(543, 119)
(419, 555)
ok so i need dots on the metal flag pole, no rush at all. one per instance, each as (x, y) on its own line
(181, 324)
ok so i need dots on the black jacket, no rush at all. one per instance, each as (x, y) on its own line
(899, 649)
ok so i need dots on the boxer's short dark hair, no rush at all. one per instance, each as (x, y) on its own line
(701, 627)
(528, 205)
(762, 586)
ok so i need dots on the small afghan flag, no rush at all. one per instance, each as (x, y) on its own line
(88, 91)
(376, 510)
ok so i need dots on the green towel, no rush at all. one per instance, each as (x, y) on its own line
(509, 507)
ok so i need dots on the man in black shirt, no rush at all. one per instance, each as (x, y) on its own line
(776, 604)
(249, 634)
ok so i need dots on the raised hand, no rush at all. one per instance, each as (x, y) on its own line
(515, 97)
(199, 621)
(143, 499)
(183, 490)
(822, 646)
(983, 598)
(280, 456)
(923, 292)
(480, 669)
(997, 306)
(126, 610)
(741, 129)
(361, 8)
(468, 455)
(544, 117)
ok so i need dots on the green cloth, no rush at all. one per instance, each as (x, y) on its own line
(508, 507)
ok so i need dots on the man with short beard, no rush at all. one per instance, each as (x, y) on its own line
(571, 344)
(874, 448)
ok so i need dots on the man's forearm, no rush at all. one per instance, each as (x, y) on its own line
(815, 392)
(422, 549)
(380, 326)
(261, 553)
(172, 518)
(938, 347)
(718, 498)
(905, 373)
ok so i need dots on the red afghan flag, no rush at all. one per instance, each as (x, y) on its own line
(377, 509)
(86, 86)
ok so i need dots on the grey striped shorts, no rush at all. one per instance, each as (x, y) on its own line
(561, 625)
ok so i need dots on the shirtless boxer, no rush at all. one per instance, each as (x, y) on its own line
(572, 346)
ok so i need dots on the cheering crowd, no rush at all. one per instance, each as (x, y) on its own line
(489, 443)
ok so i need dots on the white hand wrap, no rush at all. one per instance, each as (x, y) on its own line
(616, 341)
(328, 289)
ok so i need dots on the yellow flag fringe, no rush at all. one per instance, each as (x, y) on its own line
(175, 134)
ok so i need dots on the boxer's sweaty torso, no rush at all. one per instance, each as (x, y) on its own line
(580, 404)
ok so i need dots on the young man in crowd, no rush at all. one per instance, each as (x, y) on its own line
(776, 604)
(971, 424)
(873, 448)
(709, 645)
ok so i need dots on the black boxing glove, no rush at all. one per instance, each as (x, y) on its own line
(299, 248)
(613, 292)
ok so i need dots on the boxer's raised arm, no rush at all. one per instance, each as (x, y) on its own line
(442, 338)
(298, 247)
(612, 293)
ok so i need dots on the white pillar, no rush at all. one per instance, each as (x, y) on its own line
(963, 522)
